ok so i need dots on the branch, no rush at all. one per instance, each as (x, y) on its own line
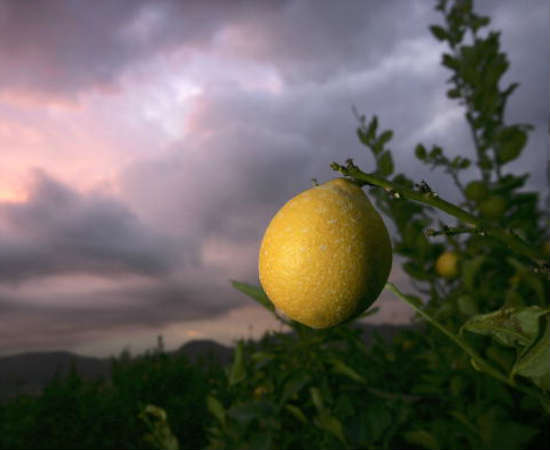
(473, 354)
(432, 199)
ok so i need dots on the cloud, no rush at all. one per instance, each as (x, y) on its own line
(64, 48)
(57, 230)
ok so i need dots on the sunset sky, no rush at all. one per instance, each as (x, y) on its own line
(145, 146)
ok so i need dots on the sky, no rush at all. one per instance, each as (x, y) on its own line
(145, 146)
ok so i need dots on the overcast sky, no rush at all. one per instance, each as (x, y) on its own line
(145, 146)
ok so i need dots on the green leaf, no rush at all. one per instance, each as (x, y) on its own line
(341, 368)
(294, 385)
(331, 424)
(436, 152)
(379, 419)
(363, 137)
(465, 163)
(470, 268)
(248, 411)
(420, 152)
(503, 356)
(509, 143)
(261, 440)
(516, 327)
(215, 408)
(453, 93)
(535, 360)
(439, 32)
(422, 438)
(344, 406)
(296, 412)
(450, 62)
(371, 131)
(257, 293)
(262, 359)
(369, 312)
(317, 398)
(384, 138)
(385, 164)
(497, 431)
(237, 373)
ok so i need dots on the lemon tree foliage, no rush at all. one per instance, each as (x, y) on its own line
(155, 401)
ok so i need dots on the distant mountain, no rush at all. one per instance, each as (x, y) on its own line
(28, 373)
(205, 349)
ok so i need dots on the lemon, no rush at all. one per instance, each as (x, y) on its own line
(326, 255)
(467, 305)
(447, 264)
(494, 207)
(476, 191)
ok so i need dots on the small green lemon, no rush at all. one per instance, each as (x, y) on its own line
(467, 305)
(476, 191)
(493, 207)
(326, 255)
(447, 264)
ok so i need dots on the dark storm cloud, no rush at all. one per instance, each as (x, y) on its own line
(219, 184)
(62, 47)
(314, 41)
(58, 231)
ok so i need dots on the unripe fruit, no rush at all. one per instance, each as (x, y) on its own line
(467, 305)
(493, 207)
(476, 191)
(326, 255)
(447, 264)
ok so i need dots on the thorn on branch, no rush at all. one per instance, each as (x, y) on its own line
(350, 165)
(423, 187)
(430, 232)
(393, 193)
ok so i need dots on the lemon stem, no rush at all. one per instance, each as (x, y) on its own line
(479, 360)
(432, 199)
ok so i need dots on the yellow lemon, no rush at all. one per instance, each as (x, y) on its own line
(447, 264)
(326, 255)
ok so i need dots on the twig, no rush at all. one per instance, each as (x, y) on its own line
(433, 199)
(481, 363)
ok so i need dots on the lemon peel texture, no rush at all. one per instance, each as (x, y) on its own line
(326, 255)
